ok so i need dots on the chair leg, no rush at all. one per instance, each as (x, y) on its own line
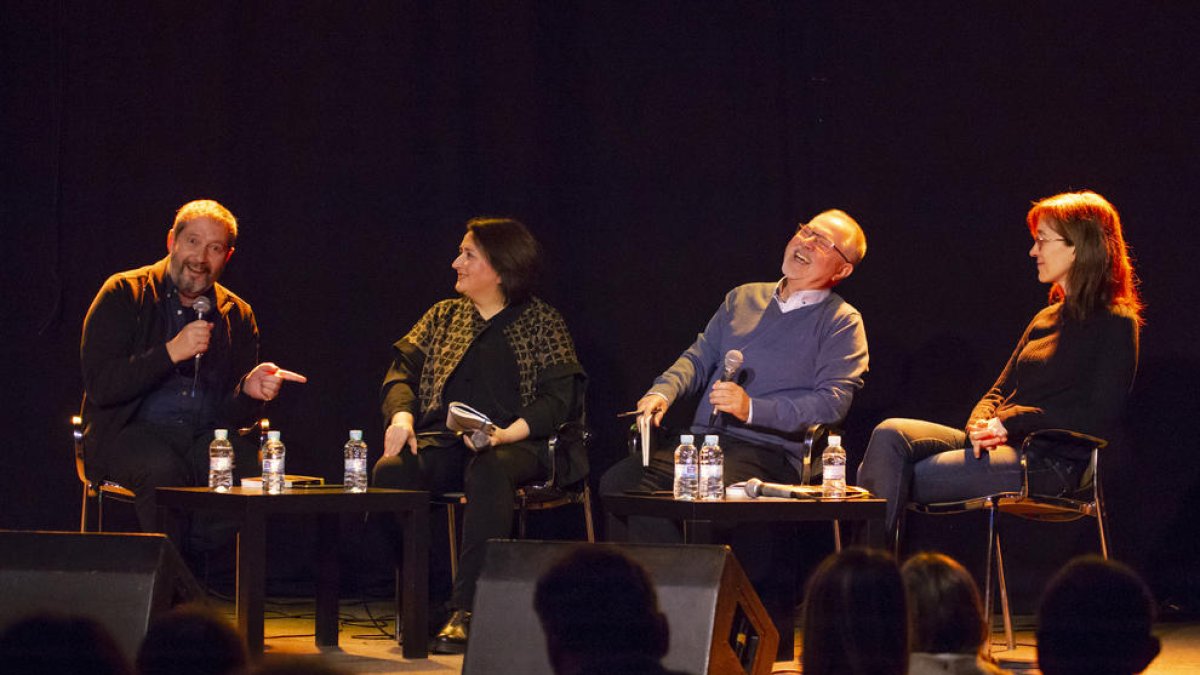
(837, 537)
(83, 509)
(451, 517)
(99, 510)
(1009, 639)
(587, 515)
(522, 517)
(1102, 526)
(987, 574)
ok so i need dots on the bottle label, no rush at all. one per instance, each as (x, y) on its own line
(272, 466)
(220, 463)
(710, 471)
(834, 472)
(356, 465)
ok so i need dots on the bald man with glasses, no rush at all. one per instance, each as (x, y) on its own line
(804, 353)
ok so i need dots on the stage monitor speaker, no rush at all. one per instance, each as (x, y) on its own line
(717, 623)
(121, 580)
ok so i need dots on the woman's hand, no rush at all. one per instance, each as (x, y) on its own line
(399, 434)
(986, 434)
(517, 431)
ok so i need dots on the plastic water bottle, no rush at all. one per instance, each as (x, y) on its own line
(220, 461)
(686, 468)
(712, 470)
(833, 469)
(355, 477)
(273, 459)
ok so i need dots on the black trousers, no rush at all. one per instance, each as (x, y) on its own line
(489, 480)
(148, 456)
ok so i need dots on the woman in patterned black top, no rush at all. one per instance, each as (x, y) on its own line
(502, 351)
(1071, 369)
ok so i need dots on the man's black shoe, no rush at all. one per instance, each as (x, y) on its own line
(453, 637)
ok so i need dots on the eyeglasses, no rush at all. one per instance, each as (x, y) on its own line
(822, 242)
(1040, 241)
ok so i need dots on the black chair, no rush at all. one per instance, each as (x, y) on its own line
(103, 489)
(93, 489)
(567, 485)
(1087, 500)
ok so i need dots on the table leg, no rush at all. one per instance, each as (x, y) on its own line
(412, 584)
(697, 531)
(617, 528)
(328, 578)
(251, 578)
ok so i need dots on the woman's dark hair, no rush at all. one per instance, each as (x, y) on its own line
(1102, 275)
(597, 601)
(1096, 616)
(944, 609)
(855, 621)
(51, 643)
(512, 252)
(191, 640)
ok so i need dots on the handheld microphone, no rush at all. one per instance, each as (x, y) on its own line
(755, 488)
(733, 363)
(203, 306)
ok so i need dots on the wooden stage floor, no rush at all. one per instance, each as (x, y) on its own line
(366, 648)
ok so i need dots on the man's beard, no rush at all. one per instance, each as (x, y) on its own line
(186, 281)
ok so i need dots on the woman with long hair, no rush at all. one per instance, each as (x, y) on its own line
(1071, 369)
(945, 617)
(855, 622)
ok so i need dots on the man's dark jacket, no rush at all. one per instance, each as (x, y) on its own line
(124, 356)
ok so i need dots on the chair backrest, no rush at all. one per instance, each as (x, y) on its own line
(80, 466)
(569, 464)
(816, 437)
(1083, 499)
(568, 447)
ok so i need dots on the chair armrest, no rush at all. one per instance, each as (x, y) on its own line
(261, 427)
(813, 445)
(1060, 437)
(1063, 436)
(566, 432)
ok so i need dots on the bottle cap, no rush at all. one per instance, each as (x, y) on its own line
(221, 434)
(710, 439)
(356, 434)
(272, 435)
(687, 439)
(835, 439)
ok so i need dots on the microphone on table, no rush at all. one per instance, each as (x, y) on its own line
(733, 363)
(756, 488)
(203, 306)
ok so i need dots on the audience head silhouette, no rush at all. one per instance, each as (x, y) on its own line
(1095, 618)
(855, 621)
(943, 604)
(597, 606)
(61, 645)
(191, 640)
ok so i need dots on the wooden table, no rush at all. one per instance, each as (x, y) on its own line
(252, 507)
(698, 517)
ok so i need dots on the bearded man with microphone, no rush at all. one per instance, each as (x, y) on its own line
(774, 359)
(168, 355)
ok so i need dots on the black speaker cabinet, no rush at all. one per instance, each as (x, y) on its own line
(717, 622)
(121, 580)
